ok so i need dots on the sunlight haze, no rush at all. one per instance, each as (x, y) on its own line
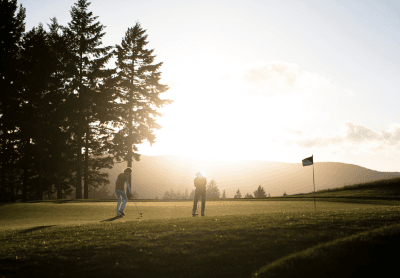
(266, 80)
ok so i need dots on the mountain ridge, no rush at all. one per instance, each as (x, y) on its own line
(153, 175)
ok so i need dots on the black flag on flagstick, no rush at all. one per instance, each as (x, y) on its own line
(307, 162)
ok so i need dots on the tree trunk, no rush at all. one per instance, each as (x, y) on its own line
(3, 181)
(58, 150)
(12, 196)
(58, 173)
(86, 173)
(130, 131)
(26, 168)
(40, 147)
(79, 136)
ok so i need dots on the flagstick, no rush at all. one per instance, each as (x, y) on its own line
(315, 207)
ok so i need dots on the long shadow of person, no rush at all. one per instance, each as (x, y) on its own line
(112, 219)
(34, 229)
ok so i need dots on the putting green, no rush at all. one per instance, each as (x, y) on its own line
(27, 215)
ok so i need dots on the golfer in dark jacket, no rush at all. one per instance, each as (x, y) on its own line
(122, 179)
(200, 183)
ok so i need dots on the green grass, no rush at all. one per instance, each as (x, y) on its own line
(388, 188)
(235, 239)
(367, 254)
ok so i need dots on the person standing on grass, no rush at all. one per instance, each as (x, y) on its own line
(200, 183)
(123, 178)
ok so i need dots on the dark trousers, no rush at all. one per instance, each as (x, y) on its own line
(197, 194)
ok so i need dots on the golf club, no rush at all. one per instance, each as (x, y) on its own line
(137, 209)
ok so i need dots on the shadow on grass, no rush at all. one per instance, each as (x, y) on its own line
(34, 229)
(112, 219)
(367, 254)
(63, 201)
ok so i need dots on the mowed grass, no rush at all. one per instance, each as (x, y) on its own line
(235, 239)
(388, 188)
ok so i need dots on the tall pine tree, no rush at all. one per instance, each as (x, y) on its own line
(212, 192)
(138, 94)
(12, 27)
(260, 192)
(238, 195)
(85, 35)
(35, 110)
(61, 90)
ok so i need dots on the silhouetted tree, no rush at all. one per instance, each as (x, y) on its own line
(132, 196)
(169, 195)
(138, 94)
(223, 195)
(248, 195)
(85, 35)
(191, 196)
(212, 192)
(100, 193)
(260, 192)
(12, 27)
(36, 107)
(238, 195)
(61, 92)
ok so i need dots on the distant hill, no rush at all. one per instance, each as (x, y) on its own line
(154, 175)
(388, 189)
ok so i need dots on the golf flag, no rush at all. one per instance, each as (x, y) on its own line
(308, 161)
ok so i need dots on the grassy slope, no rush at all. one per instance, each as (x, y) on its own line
(367, 254)
(389, 189)
(236, 239)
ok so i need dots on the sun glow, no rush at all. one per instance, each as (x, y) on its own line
(225, 123)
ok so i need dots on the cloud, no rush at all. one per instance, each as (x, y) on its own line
(280, 77)
(292, 131)
(356, 136)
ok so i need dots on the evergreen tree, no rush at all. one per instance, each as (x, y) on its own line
(36, 107)
(166, 195)
(179, 195)
(260, 192)
(85, 35)
(212, 192)
(132, 196)
(248, 195)
(60, 91)
(238, 195)
(191, 196)
(138, 94)
(11, 31)
(100, 193)
(223, 195)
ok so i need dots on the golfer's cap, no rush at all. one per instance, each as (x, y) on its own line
(129, 170)
(199, 174)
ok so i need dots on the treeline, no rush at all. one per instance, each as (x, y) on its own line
(63, 114)
(258, 193)
(212, 193)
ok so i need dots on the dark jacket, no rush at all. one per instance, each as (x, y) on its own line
(200, 183)
(122, 179)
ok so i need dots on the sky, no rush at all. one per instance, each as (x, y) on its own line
(266, 80)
